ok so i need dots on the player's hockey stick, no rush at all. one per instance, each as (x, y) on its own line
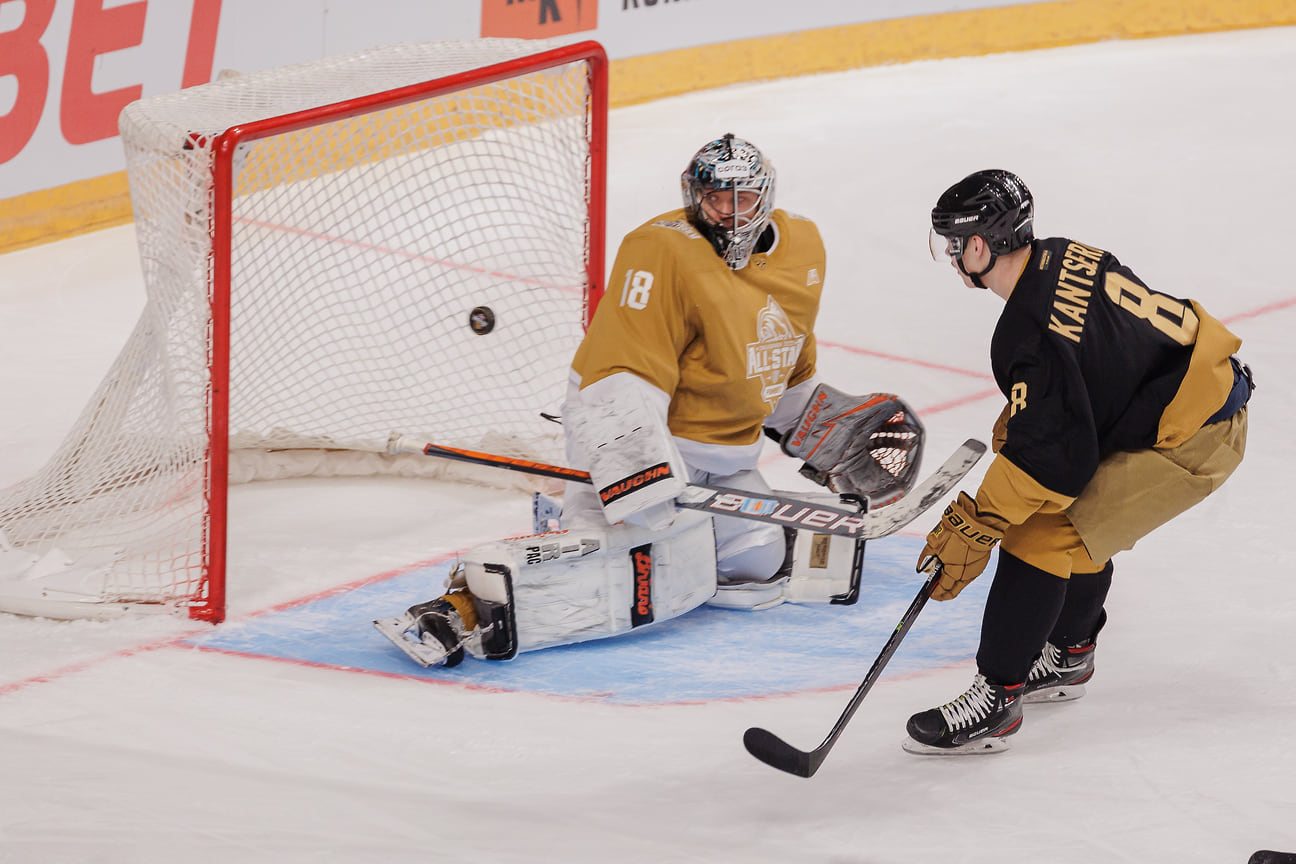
(777, 753)
(769, 507)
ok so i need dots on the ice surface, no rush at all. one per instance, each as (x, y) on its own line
(152, 740)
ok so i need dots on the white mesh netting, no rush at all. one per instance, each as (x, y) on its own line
(360, 245)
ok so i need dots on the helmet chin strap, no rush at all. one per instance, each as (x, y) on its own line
(976, 277)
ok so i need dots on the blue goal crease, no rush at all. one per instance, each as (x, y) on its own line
(705, 655)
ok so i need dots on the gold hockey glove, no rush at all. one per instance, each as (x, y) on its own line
(962, 542)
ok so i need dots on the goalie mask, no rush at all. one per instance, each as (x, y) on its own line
(728, 192)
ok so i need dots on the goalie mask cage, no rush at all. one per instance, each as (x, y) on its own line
(404, 239)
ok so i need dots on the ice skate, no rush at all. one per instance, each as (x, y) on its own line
(1059, 673)
(431, 633)
(976, 722)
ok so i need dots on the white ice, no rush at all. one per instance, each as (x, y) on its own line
(118, 745)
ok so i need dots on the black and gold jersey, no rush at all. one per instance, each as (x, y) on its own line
(1093, 361)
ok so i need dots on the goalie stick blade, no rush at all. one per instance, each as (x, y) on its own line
(934, 489)
(777, 753)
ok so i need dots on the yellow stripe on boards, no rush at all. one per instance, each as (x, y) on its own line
(64, 211)
(1026, 27)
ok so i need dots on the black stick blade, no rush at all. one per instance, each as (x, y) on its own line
(777, 753)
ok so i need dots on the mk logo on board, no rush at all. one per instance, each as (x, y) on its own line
(641, 610)
(537, 19)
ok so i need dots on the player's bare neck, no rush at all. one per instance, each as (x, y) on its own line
(1003, 279)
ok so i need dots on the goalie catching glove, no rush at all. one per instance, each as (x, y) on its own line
(869, 446)
(962, 542)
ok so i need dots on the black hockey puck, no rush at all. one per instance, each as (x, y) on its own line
(481, 320)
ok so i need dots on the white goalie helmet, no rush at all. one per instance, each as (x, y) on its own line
(728, 190)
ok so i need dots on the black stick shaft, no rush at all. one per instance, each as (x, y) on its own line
(777, 753)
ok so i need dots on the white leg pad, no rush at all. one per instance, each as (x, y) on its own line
(823, 567)
(823, 571)
(591, 583)
(750, 595)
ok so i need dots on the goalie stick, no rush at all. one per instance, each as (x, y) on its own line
(772, 507)
(777, 753)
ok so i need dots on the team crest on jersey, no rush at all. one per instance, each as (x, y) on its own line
(773, 355)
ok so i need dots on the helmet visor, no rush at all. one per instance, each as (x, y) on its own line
(944, 248)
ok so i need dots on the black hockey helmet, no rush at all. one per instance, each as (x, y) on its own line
(994, 205)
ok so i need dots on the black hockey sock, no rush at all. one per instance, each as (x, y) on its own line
(1082, 614)
(1020, 612)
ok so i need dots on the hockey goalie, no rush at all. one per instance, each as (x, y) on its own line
(703, 343)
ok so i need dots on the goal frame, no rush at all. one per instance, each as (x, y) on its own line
(216, 481)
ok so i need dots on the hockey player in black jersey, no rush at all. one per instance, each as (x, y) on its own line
(1126, 406)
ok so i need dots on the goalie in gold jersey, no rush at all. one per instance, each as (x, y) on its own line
(703, 341)
(1126, 406)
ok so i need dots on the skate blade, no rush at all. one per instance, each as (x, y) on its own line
(1063, 693)
(976, 748)
(395, 629)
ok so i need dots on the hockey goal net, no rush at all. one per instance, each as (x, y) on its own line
(405, 239)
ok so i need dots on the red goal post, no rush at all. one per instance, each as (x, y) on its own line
(406, 238)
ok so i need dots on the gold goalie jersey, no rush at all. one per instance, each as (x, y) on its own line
(723, 344)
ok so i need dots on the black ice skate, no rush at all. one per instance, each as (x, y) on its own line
(431, 633)
(976, 722)
(1059, 674)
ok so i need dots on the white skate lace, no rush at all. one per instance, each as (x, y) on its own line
(1048, 663)
(972, 707)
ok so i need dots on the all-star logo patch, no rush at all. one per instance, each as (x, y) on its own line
(773, 355)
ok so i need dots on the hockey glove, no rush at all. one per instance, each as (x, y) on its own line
(962, 542)
(863, 445)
